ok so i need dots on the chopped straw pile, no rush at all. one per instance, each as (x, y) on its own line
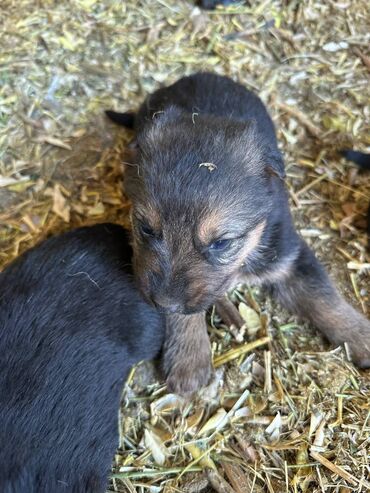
(285, 413)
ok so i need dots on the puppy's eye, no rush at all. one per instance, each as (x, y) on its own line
(147, 231)
(219, 245)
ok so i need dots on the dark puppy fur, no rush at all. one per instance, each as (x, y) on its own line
(210, 209)
(212, 4)
(360, 158)
(71, 326)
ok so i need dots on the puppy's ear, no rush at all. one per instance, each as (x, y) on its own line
(124, 119)
(271, 156)
(275, 163)
(253, 147)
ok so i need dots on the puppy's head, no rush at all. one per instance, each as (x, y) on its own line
(202, 190)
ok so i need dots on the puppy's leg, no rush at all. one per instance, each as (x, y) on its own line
(228, 312)
(308, 292)
(187, 353)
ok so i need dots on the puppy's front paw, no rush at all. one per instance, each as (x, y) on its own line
(361, 357)
(353, 329)
(359, 344)
(187, 361)
(188, 375)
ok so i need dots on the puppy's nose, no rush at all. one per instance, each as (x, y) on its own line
(176, 307)
(166, 304)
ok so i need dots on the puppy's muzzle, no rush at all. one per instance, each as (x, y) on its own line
(167, 305)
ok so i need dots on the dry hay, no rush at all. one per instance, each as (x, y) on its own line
(289, 415)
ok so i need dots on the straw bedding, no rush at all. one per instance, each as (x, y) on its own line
(285, 413)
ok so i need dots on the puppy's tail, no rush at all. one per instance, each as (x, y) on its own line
(125, 119)
(360, 158)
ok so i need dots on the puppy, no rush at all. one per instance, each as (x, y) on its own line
(71, 326)
(210, 209)
(360, 158)
(212, 4)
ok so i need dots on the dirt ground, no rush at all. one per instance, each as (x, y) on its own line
(292, 415)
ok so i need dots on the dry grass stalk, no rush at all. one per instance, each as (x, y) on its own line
(336, 469)
(301, 118)
(240, 351)
(218, 483)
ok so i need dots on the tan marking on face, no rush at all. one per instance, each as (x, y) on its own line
(251, 244)
(148, 214)
(209, 225)
(197, 286)
(279, 272)
(252, 240)
(202, 280)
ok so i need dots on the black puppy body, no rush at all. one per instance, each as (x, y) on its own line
(71, 326)
(363, 161)
(210, 209)
(212, 4)
(360, 158)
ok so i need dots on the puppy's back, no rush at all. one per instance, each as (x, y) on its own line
(71, 326)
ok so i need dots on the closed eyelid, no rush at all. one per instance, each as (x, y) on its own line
(222, 236)
(142, 221)
(147, 215)
(228, 236)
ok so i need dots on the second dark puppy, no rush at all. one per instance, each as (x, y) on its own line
(210, 209)
(71, 326)
(212, 4)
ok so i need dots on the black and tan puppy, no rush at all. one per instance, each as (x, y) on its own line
(71, 326)
(210, 210)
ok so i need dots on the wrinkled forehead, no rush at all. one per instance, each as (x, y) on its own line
(188, 170)
(193, 180)
(207, 143)
(202, 220)
(188, 191)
